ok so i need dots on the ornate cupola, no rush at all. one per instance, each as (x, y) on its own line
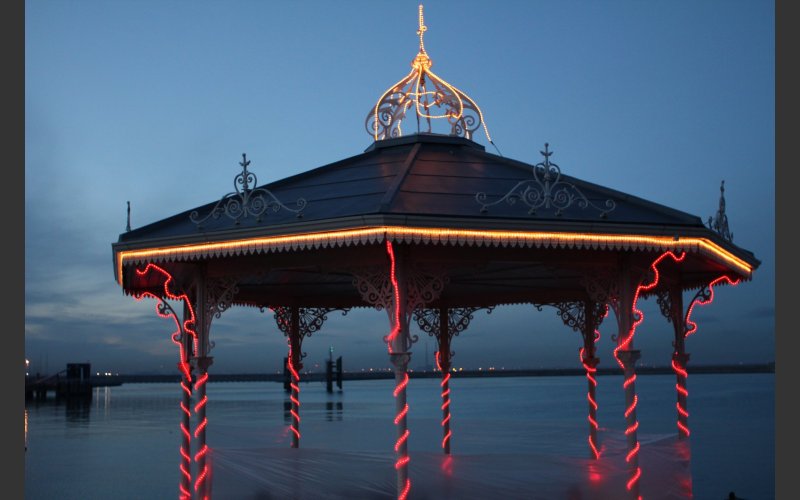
(430, 97)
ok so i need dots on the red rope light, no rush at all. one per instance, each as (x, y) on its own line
(691, 329)
(639, 315)
(393, 277)
(590, 376)
(201, 426)
(445, 399)
(625, 343)
(403, 459)
(183, 366)
(294, 397)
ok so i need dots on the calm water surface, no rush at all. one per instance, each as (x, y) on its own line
(124, 444)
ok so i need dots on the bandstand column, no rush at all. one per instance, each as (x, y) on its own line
(401, 288)
(443, 363)
(627, 357)
(186, 413)
(295, 364)
(201, 362)
(680, 358)
(399, 356)
(201, 457)
(590, 362)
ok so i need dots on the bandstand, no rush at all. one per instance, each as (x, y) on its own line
(430, 228)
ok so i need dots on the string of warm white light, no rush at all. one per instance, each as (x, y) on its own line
(403, 234)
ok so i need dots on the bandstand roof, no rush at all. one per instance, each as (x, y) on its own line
(423, 190)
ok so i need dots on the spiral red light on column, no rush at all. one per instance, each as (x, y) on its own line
(295, 394)
(445, 399)
(400, 417)
(202, 467)
(624, 344)
(183, 366)
(590, 376)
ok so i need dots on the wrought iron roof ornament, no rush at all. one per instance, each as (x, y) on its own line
(719, 222)
(247, 201)
(431, 98)
(546, 190)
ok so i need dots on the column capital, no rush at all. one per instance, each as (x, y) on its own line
(202, 362)
(629, 357)
(400, 360)
(681, 357)
(591, 361)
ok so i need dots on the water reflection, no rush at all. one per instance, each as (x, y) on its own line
(26, 429)
(287, 411)
(334, 411)
(102, 399)
(77, 411)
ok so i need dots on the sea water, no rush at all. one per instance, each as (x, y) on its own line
(125, 442)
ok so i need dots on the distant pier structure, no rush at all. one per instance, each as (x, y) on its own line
(74, 382)
(333, 370)
(333, 374)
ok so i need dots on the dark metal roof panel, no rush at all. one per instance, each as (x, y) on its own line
(424, 175)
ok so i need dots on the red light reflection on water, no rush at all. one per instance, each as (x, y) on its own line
(447, 466)
(595, 475)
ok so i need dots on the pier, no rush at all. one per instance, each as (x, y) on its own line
(74, 382)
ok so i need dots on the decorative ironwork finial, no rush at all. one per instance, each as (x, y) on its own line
(247, 201)
(128, 227)
(431, 98)
(546, 190)
(719, 222)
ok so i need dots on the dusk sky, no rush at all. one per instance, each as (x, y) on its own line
(154, 102)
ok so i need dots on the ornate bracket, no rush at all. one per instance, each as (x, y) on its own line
(422, 286)
(719, 223)
(603, 289)
(664, 301)
(218, 297)
(311, 320)
(247, 200)
(165, 310)
(573, 313)
(702, 296)
(458, 319)
(546, 190)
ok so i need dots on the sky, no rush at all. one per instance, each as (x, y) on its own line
(154, 102)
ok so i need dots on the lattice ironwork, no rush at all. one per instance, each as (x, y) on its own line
(458, 319)
(311, 319)
(422, 286)
(546, 191)
(218, 296)
(247, 200)
(573, 313)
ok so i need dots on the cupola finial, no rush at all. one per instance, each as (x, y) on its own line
(431, 97)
